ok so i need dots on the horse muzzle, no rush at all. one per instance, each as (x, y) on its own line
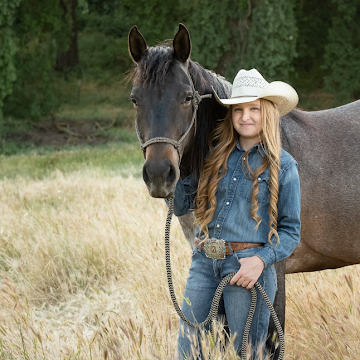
(160, 173)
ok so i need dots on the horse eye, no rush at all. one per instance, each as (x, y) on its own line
(134, 101)
(188, 98)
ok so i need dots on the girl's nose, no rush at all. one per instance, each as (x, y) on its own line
(245, 115)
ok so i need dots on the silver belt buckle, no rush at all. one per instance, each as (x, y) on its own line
(215, 249)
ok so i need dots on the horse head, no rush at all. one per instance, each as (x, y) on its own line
(166, 86)
(164, 107)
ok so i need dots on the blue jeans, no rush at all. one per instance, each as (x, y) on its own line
(204, 277)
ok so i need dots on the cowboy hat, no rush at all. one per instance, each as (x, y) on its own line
(250, 85)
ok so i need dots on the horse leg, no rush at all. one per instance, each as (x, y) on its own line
(272, 343)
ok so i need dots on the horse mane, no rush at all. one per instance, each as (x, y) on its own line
(210, 112)
(156, 64)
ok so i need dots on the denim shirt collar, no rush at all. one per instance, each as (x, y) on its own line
(256, 148)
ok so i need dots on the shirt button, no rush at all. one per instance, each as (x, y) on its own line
(234, 179)
(217, 225)
(243, 158)
(227, 203)
(259, 178)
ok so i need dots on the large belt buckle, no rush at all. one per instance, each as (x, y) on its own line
(215, 249)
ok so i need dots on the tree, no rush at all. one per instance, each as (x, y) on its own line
(36, 29)
(7, 67)
(342, 51)
(244, 34)
(272, 39)
(67, 55)
(219, 33)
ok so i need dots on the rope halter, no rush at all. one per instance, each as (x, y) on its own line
(195, 104)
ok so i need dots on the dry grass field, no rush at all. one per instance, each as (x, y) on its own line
(82, 276)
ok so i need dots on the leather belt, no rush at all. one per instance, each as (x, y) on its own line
(218, 249)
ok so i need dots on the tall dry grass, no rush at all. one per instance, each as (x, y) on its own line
(82, 276)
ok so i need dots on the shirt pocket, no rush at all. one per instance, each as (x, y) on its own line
(246, 188)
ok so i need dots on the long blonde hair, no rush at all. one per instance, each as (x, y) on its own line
(222, 144)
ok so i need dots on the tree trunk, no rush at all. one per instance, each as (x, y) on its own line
(70, 56)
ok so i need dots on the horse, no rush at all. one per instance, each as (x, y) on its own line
(324, 143)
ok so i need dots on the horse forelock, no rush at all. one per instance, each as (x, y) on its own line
(156, 64)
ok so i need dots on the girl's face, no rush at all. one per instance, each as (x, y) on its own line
(246, 119)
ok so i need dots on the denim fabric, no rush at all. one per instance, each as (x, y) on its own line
(232, 220)
(204, 277)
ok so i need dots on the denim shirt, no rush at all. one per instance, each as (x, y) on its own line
(232, 219)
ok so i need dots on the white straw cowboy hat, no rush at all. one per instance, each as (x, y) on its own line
(250, 85)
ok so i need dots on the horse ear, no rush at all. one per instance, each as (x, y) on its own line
(137, 44)
(182, 44)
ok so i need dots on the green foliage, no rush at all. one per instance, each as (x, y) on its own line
(102, 50)
(244, 34)
(313, 20)
(7, 68)
(272, 39)
(218, 33)
(156, 19)
(38, 31)
(313, 45)
(33, 93)
(342, 51)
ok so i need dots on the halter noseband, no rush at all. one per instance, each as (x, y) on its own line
(195, 103)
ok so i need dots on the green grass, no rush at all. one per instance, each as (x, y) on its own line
(124, 158)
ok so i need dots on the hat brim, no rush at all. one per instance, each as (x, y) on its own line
(235, 100)
(281, 94)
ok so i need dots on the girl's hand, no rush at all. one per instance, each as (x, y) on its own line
(250, 270)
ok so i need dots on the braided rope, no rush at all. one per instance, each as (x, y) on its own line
(216, 300)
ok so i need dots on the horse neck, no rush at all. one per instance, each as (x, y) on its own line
(209, 112)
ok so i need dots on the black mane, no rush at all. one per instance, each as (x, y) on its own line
(208, 113)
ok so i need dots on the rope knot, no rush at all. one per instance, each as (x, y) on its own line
(196, 99)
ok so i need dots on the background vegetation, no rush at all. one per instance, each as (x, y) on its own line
(70, 56)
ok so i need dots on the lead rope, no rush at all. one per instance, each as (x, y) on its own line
(216, 300)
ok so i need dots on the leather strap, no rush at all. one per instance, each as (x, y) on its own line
(235, 246)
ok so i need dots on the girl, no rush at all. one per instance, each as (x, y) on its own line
(247, 210)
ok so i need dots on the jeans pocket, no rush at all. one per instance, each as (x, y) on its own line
(240, 254)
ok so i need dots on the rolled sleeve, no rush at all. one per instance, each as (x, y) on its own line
(289, 224)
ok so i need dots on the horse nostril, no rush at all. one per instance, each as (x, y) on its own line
(146, 176)
(171, 175)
